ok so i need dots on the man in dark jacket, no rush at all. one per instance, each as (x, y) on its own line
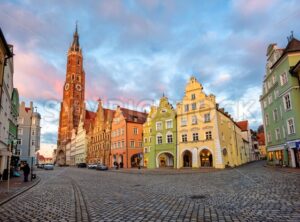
(26, 170)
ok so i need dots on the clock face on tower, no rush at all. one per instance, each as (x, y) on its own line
(78, 87)
(67, 86)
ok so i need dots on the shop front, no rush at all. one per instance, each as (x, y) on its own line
(278, 156)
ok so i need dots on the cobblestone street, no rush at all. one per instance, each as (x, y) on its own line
(249, 193)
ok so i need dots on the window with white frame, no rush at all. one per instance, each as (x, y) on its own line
(207, 117)
(195, 137)
(287, 102)
(194, 119)
(275, 115)
(150, 139)
(169, 138)
(194, 106)
(208, 135)
(19, 141)
(184, 137)
(283, 78)
(291, 126)
(146, 150)
(140, 144)
(267, 119)
(135, 131)
(169, 124)
(159, 139)
(277, 133)
(183, 121)
(158, 125)
(132, 144)
(145, 140)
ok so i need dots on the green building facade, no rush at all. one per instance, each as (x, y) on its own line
(280, 103)
(160, 136)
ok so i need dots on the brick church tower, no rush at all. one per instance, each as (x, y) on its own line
(73, 104)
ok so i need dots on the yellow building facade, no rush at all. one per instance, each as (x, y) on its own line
(207, 136)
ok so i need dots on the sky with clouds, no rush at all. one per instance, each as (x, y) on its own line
(136, 50)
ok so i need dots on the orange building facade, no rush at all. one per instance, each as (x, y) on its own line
(98, 150)
(127, 138)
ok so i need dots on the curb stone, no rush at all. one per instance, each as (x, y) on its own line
(38, 179)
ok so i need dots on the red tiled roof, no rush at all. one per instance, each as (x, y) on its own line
(134, 116)
(108, 112)
(27, 109)
(261, 138)
(243, 125)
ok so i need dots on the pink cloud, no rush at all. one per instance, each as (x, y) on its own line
(36, 78)
(248, 8)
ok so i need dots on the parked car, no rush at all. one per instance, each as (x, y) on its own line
(48, 167)
(40, 166)
(92, 166)
(101, 167)
(81, 165)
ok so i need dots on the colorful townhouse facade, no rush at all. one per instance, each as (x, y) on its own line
(98, 150)
(207, 135)
(29, 133)
(127, 138)
(280, 102)
(160, 136)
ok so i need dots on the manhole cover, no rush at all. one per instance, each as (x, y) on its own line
(197, 197)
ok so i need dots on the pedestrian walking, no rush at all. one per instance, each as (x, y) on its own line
(26, 171)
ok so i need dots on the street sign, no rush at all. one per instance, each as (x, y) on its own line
(297, 144)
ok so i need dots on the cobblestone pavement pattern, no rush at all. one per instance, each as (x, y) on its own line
(248, 193)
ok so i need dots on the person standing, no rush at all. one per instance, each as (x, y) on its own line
(26, 171)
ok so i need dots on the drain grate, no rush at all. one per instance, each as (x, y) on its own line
(137, 185)
(197, 197)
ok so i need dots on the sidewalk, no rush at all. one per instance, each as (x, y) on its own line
(16, 187)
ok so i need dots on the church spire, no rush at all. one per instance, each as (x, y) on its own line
(75, 45)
